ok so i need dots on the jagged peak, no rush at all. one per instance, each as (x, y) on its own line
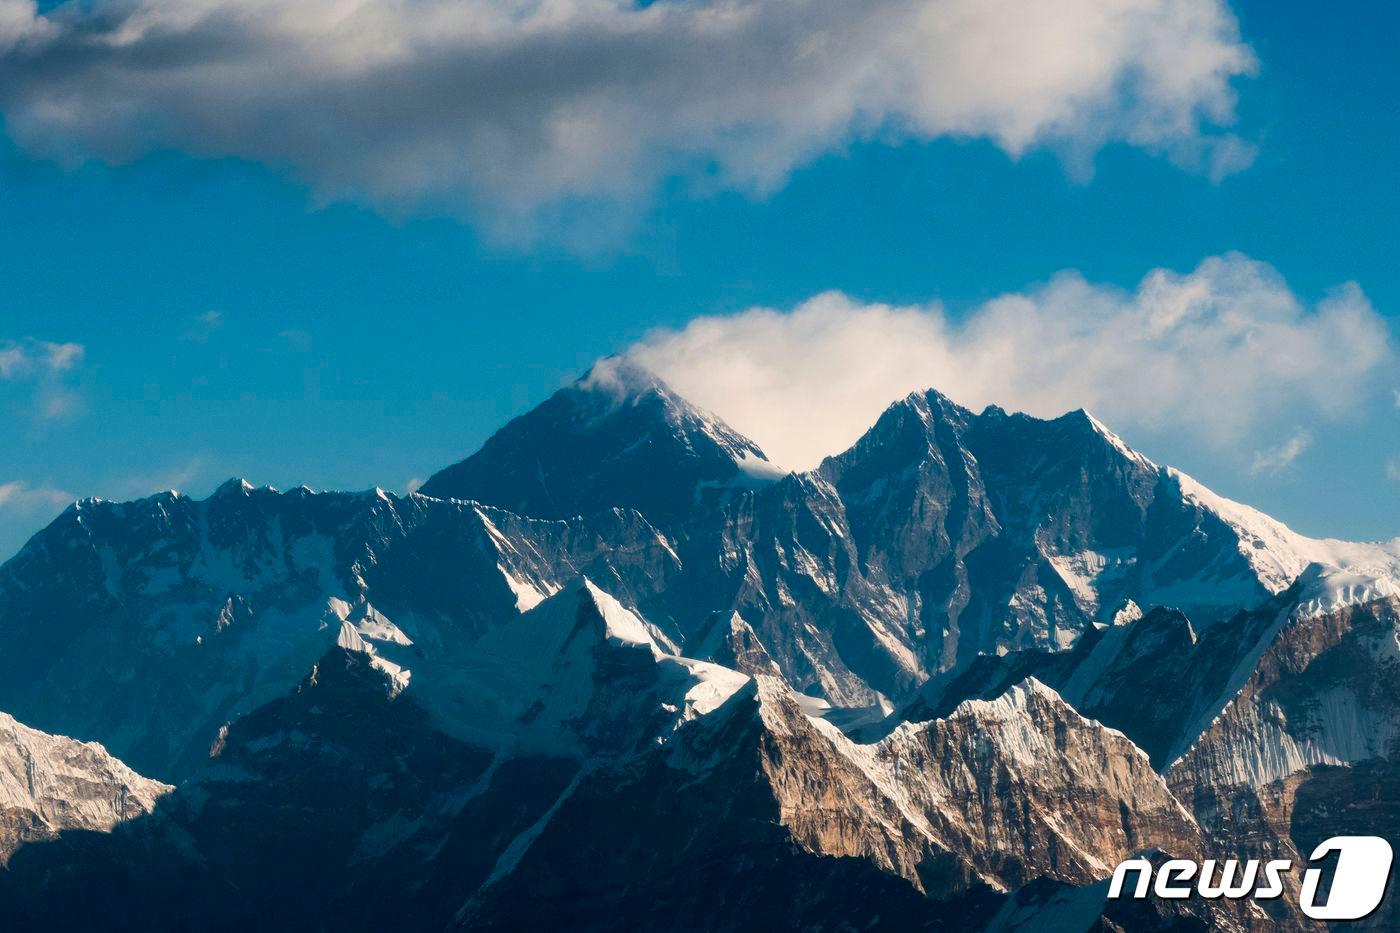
(348, 639)
(1116, 442)
(624, 379)
(1013, 707)
(1126, 614)
(60, 783)
(1165, 618)
(928, 403)
(237, 487)
(617, 437)
(1078, 423)
(611, 621)
(727, 639)
(910, 425)
(1022, 700)
(96, 502)
(234, 486)
(931, 403)
(619, 622)
(1015, 699)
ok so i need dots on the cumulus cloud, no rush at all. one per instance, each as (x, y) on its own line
(59, 357)
(29, 358)
(20, 22)
(1223, 354)
(1277, 459)
(12, 361)
(38, 368)
(514, 109)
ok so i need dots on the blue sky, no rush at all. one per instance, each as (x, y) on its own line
(240, 314)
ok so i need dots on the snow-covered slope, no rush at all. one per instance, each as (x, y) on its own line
(1165, 686)
(147, 625)
(49, 783)
(1319, 689)
(960, 809)
(940, 536)
(1302, 742)
(1280, 555)
(693, 782)
(578, 675)
(666, 706)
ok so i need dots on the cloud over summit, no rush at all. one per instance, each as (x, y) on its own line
(504, 109)
(1224, 356)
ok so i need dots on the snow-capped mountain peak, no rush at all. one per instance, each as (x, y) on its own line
(1117, 442)
(1279, 555)
(611, 635)
(618, 437)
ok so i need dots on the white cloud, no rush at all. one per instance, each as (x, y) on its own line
(1230, 155)
(1223, 355)
(13, 362)
(19, 22)
(28, 358)
(39, 366)
(1277, 459)
(1392, 471)
(62, 356)
(18, 494)
(517, 110)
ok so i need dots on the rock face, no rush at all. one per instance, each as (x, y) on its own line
(1306, 747)
(616, 671)
(939, 535)
(1325, 690)
(343, 787)
(1028, 788)
(1149, 676)
(150, 624)
(1278, 729)
(49, 784)
(617, 438)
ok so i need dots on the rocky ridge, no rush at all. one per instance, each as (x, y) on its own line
(688, 685)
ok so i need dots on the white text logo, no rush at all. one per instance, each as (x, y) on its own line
(1358, 880)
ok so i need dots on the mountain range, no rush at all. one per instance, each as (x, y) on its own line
(618, 670)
